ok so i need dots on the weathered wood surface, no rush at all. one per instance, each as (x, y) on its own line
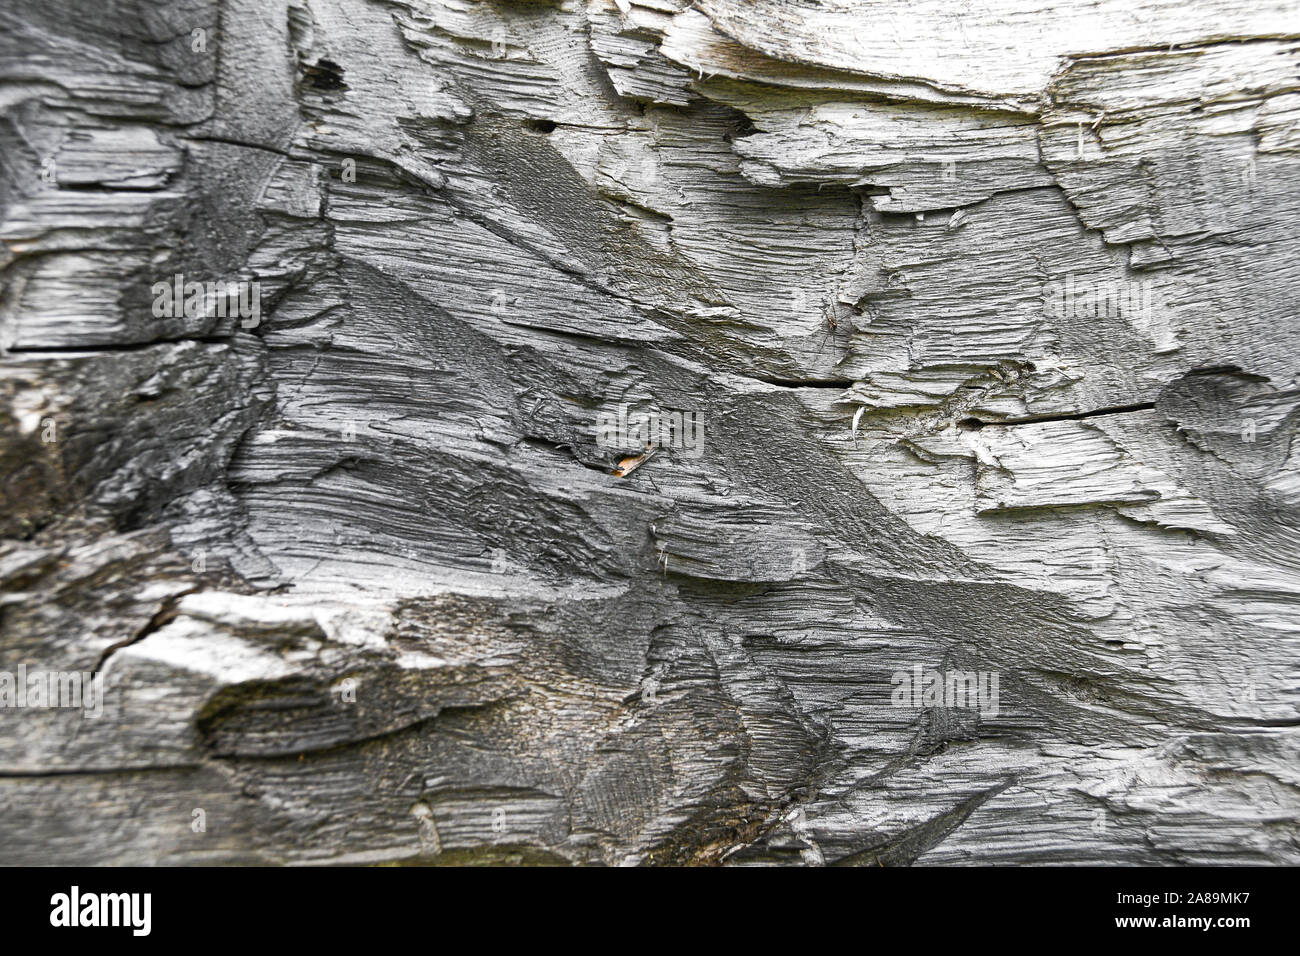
(986, 311)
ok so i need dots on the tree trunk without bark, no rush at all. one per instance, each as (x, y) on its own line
(616, 416)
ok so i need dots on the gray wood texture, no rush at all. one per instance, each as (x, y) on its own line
(979, 326)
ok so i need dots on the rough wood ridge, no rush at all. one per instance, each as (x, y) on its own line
(636, 431)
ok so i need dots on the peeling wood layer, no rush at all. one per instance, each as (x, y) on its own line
(584, 415)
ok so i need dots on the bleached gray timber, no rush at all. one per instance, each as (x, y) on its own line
(986, 310)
